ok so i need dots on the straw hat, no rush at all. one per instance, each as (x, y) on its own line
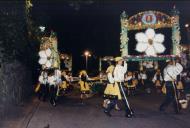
(118, 59)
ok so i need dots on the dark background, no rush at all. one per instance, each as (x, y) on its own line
(96, 25)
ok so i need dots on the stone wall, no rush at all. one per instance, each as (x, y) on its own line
(18, 56)
(15, 86)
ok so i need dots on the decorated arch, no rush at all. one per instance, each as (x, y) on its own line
(150, 20)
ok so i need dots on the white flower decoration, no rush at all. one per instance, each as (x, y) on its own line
(149, 42)
(45, 58)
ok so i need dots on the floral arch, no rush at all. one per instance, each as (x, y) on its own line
(154, 20)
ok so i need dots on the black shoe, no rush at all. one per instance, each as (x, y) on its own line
(107, 113)
(128, 115)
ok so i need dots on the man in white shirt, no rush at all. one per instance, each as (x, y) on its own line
(170, 73)
(119, 74)
(43, 80)
(120, 70)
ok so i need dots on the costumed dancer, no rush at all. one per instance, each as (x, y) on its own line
(52, 87)
(84, 86)
(157, 80)
(170, 73)
(69, 78)
(129, 82)
(143, 79)
(58, 82)
(109, 92)
(135, 78)
(119, 73)
(64, 83)
(150, 73)
(43, 80)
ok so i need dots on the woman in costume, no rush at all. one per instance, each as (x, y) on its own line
(119, 73)
(84, 86)
(135, 78)
(157, 80)
(109, 93)
(129, 82)
(64, 83)
(143, 79)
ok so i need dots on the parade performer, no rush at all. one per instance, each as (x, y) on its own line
(143, 79)
(64, 83)
(129, 82)
(119, 73)
(135, 78)
(170, 73)
(57, 74)
(109, 92)
(69, 78)
(157, 80)
(84, 86)
(43, 80)
(53, 87)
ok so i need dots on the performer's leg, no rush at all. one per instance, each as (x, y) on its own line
(169, 97)
(54, 95)
(128, 111)
(45, 92)
(111, 105)
(175, 104)
(40, 94)
(82, 97)
(53, 92)
(116, 106)
(105, 103)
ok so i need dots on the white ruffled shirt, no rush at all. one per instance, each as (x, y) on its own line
(155, 77)
(119, 72)
(171, 72)
(43, 78)
(142, 76)
(128, 78)
(51, 80)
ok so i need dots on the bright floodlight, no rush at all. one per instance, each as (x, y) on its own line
(87, 53)
(186, 25)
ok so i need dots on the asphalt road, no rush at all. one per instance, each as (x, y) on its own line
(70, 113)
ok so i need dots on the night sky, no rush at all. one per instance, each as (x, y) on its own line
(96, 26)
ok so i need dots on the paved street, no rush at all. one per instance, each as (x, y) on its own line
(69, 113)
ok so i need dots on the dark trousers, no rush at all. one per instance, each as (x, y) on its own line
(170, 97)
(53, 92)
(43, 91)
(113, 102)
